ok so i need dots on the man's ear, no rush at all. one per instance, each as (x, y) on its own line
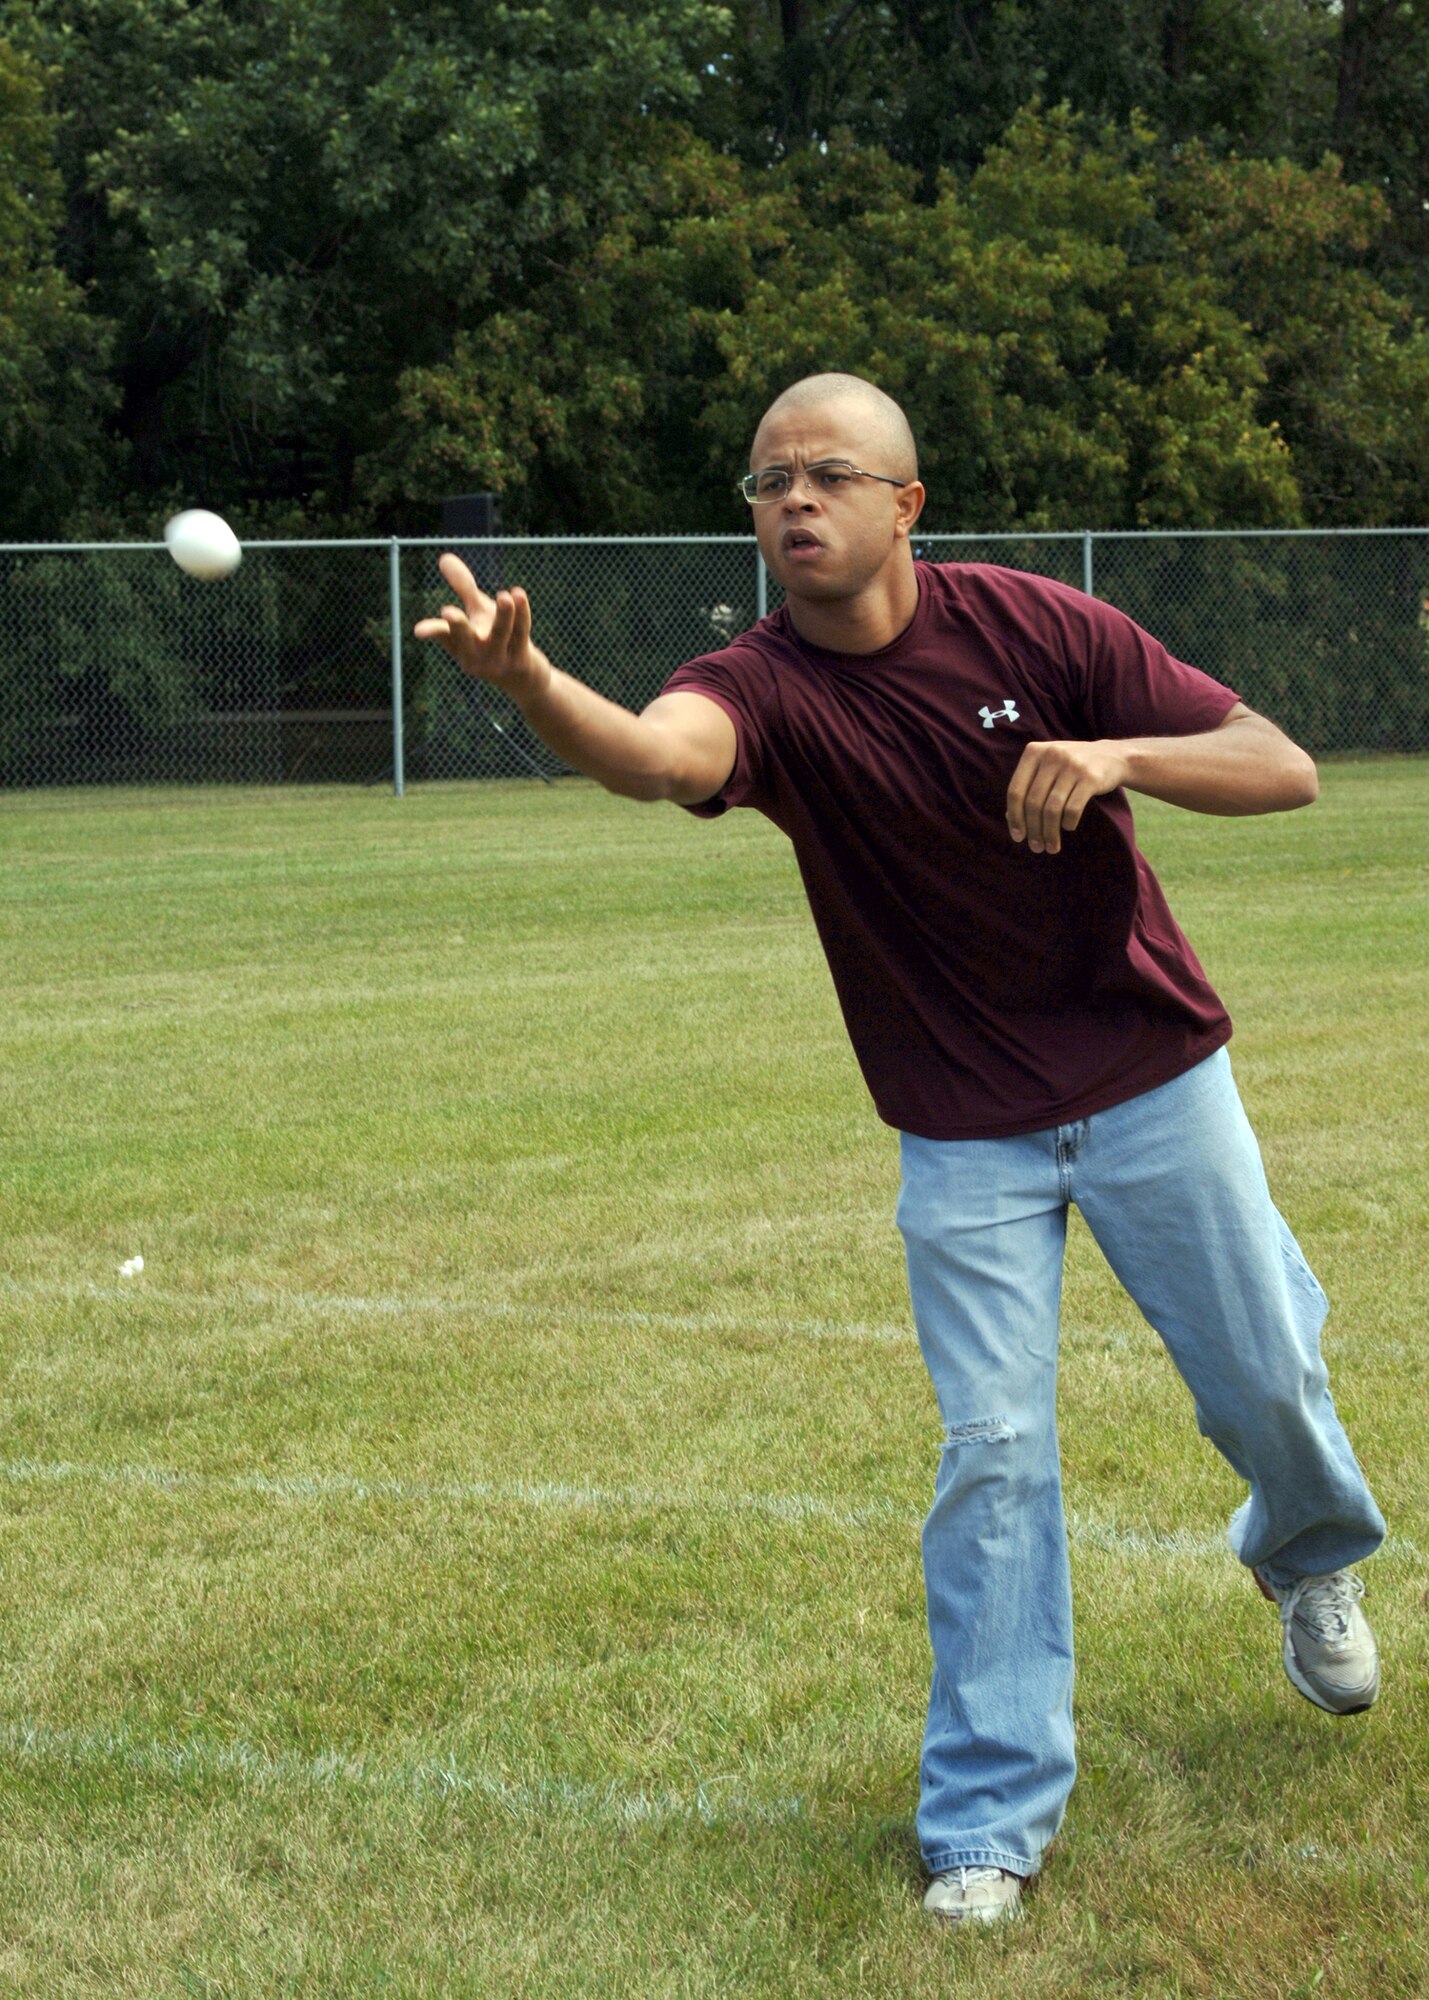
(910, 505)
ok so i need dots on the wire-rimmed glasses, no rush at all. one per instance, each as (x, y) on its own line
(828, 479)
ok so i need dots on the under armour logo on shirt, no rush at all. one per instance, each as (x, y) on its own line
(1007, 713)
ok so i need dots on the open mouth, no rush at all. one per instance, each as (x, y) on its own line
(799, 542)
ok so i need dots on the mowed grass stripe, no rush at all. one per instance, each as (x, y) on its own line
(446, 1398)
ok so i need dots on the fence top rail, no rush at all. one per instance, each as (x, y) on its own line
(564, 541)
(745, 541)
(1150, 534)
(389, 541)
(1243, 534)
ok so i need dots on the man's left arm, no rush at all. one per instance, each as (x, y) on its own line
(1245, 765)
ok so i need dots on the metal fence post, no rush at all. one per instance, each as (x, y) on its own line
(761, 586)
(394, 591)
(1087, 562)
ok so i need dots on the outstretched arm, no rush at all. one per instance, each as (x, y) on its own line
(1246, 765)
(682, 747)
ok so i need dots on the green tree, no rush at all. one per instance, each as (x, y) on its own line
(1380, 121)
(284, 206)
(937, 82)
(584, 403)
(1346, 360)
(1060, 368)
(52, 356)
(356, 256)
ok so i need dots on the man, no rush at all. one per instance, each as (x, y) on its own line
(948, 747)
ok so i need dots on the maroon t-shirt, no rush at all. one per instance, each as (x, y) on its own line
(987, 990)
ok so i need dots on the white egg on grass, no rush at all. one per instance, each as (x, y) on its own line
(203, 544)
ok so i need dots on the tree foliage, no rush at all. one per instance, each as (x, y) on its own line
(1347, 365)
(351, 256)
(1080, 333)
(52, 356)
(284, 205)
(936, 82)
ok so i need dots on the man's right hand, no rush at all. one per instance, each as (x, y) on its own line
(488, 637)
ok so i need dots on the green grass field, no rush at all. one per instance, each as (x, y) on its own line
(478, 1555)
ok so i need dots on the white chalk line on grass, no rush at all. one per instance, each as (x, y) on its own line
(1079, 1340)
(711, 1800)
(1085, 1531)
(393, 1307)
(1108, 1537)
(786, 1507)
(719, 1800)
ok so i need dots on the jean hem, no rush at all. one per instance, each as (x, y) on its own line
(980, 1857)
(1282, 1575)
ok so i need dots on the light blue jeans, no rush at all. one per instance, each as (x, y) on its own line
(1172, 1188)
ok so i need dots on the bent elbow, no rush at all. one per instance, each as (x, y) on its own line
(1304, 783)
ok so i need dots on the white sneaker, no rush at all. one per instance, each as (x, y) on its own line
(1330, 1653)
(975, 1895)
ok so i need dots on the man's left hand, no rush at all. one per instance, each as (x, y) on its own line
(1051, 786)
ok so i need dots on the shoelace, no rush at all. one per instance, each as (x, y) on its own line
(1323, 1605)
(966, 1875)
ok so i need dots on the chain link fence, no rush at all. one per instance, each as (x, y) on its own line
(116, 668)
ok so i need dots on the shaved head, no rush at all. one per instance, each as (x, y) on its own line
(879, 419)
(840, 546)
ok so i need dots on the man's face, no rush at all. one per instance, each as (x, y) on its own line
(829, 546)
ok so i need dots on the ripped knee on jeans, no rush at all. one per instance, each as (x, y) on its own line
(981, 1430)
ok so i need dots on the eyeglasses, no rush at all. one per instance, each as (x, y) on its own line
(829, 478)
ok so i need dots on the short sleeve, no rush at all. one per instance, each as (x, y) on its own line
(731, 679)
(1115, 679)
(1130, 684)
